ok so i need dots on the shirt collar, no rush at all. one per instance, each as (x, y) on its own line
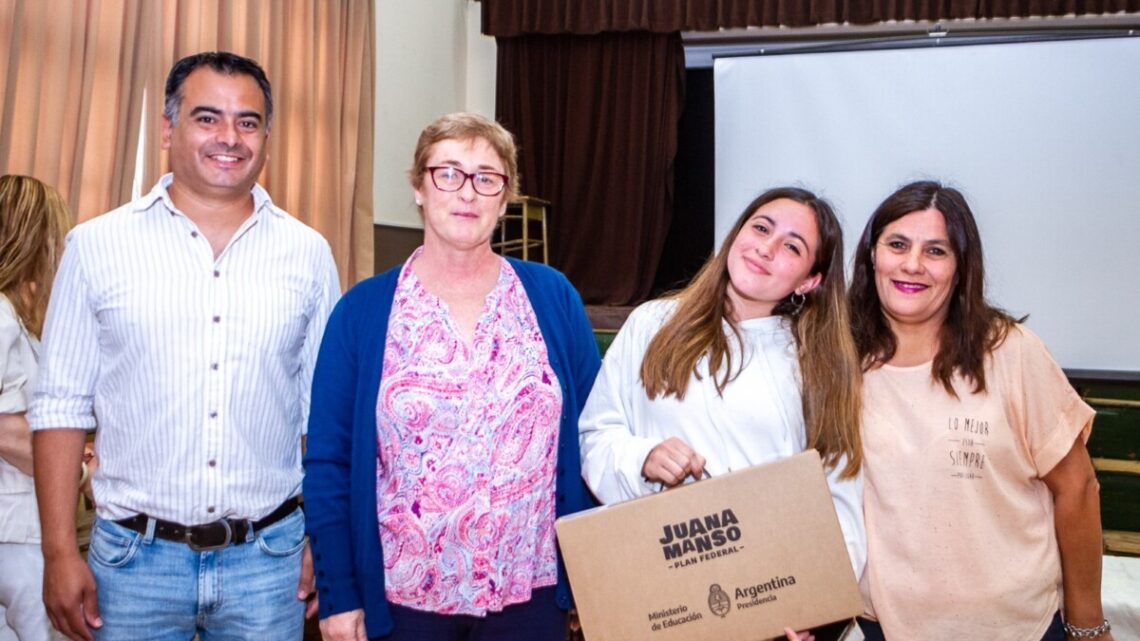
(261, 199)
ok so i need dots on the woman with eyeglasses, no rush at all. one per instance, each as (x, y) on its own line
(442, 441)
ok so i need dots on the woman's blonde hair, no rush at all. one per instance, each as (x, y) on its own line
(34, 220)
(829, 364)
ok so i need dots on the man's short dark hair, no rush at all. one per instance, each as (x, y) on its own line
(222, 62)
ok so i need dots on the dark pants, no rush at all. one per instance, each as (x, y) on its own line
(539, 619)
(872, 631)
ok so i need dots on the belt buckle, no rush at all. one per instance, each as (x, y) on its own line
(201, 538)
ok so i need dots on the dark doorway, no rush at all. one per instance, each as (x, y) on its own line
(690, 238)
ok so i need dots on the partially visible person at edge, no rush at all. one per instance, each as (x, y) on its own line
(33, 222)
(185, 325)
(751, 363)
(443, 438)
(981, 503)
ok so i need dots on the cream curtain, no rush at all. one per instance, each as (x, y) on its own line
(77, 72)
(71, 90)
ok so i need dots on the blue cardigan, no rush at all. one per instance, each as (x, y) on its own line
(340, 462)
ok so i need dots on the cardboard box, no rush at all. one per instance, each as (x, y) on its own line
(732, 558)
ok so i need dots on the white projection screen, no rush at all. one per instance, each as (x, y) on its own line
(1042, 137)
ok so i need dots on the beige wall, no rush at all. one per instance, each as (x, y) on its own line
(431, 59)
(481, 64)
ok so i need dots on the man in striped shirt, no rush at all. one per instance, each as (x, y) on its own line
(185, 326)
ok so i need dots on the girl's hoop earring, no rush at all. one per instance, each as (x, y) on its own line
(797, 299)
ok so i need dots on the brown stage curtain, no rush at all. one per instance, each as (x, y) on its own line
(509, 18)
(71, 94)
(319, 56)
(596, 117)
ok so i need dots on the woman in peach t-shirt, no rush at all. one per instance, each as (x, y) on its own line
(980, 500)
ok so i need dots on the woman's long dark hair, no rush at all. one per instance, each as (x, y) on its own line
(972, 328)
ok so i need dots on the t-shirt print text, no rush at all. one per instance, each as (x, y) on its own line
(967, 440)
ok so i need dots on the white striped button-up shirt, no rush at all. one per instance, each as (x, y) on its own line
(195, 370)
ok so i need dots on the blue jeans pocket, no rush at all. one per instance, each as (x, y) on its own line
(111, 545)
(285, 538)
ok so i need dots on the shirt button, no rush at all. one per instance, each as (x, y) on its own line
(194, 234)
(217, 273)
(214, 366)
(214, 414)
(213, 463)
(217, 319)
(210, 509)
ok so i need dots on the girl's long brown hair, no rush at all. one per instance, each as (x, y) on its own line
(33, 222)
(973, 327)
(829, 364)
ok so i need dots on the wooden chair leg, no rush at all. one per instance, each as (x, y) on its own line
(545, 244)
(525, 233)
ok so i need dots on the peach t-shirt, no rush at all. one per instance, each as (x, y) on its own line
(960, 532)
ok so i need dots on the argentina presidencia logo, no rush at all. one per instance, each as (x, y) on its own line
(719, 602)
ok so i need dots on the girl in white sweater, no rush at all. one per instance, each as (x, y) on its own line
(751, 363)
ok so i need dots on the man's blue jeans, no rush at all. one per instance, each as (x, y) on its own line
(152, 589)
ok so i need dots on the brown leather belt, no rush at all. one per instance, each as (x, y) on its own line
(209, 536)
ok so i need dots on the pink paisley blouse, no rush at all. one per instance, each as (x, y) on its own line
(466, 453)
